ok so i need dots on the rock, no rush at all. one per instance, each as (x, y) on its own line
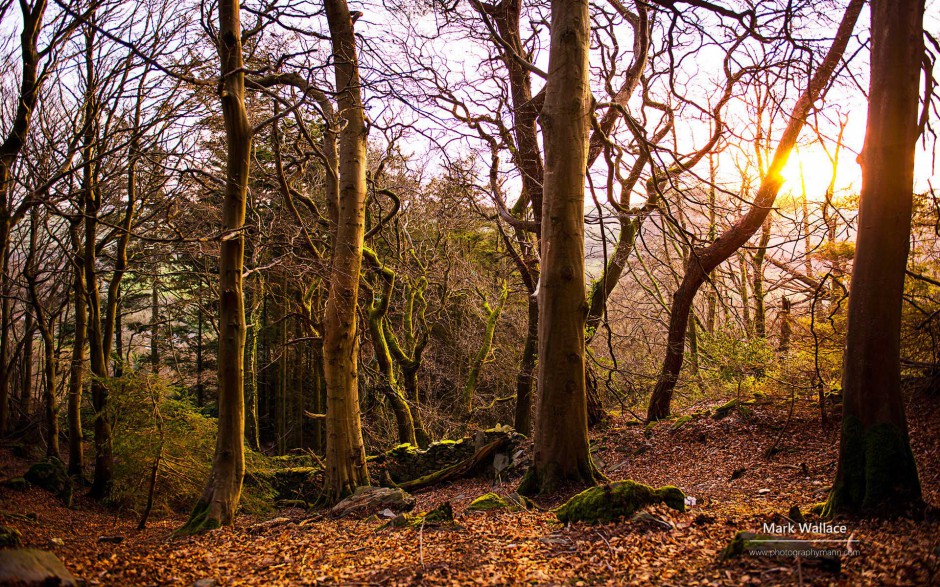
(440, 516)
(9, 537)
(745, 543)
(609, 502)
(110, 539)
(15, 483)
(33, 568)
(56, 542)
(763, 491)
(206, 583)
(491, 501)
(367, 501)
(50, 474)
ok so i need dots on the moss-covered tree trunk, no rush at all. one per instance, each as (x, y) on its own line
(476, 364)
(251, 360)
(561, 452)
(522, 418)
(345, 451)
(377, 311)
(219, 499)
(876, 471)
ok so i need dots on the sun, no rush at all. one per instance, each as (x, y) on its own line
(811, 167)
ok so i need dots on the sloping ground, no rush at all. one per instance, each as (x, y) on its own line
(513, 548)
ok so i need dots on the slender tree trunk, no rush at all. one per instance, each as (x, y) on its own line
(703, 261)
(760, 313)
(76, 369)
(522, 419)
(561, 435)
(155, 328)
(104, 461)
(216, 507)
(476, 365)
(251, 379)
(26, 376)
(345, 451)
(876, 471)
(30, 82)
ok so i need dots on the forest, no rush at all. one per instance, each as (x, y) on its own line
(469, 292)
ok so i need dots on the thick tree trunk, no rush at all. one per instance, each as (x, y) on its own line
(219, 500)
(876, 471)
(561, 451)
(702, 261)
(345, 452)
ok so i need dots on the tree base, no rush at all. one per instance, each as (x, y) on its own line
(550, 478)
(200, 521)
(877, 473)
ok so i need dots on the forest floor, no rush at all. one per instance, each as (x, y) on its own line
(532, 548)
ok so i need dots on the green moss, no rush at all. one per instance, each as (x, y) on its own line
(439, 516)
(877, 472)
(492, 501)
(199, 521)
(680, 422)
(724, 409)
(609, 502)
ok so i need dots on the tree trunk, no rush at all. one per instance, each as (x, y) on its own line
(702, 261)
(760, 313)
(476, 365)
(561, 435)
(219, 500)
(345, 452)
(251, 380)
(76, 368)
(32, 17)
(522, 419)
(104, 461)
(876, 471)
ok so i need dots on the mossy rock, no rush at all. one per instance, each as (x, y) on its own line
(442, 515)
(606, 503)
(492, 501)
(50, 474)
(725, 409)
(15, 483)
(10, 537)
(680, 422)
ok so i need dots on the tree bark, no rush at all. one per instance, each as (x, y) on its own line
(561, 451)
(345, 451)
(30, 83)
(702, 261)
(76, 368)
(876, 471)
(216, 507)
